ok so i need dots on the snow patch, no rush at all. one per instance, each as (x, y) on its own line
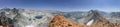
(90, 22)
(29, 26)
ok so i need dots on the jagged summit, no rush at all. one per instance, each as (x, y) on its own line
(96, 20)
(61, 21)
(91, 11)
(94, 16)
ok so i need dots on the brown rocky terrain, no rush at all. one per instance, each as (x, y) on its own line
(60, 21)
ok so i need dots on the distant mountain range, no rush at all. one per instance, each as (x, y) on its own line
(26, 18)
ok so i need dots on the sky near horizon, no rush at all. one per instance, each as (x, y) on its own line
(71, 5)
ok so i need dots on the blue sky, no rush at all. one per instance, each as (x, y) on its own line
(71, 5)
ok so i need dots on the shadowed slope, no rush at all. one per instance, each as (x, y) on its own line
(101, 22)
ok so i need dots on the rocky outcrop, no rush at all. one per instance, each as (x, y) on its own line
(61, 21)
(5, 21)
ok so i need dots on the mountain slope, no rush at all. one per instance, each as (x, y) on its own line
(60, 21)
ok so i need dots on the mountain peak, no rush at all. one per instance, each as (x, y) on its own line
(61, 21)
(92, 11)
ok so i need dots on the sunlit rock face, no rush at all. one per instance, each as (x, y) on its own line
(61, 21)
(28, 18)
